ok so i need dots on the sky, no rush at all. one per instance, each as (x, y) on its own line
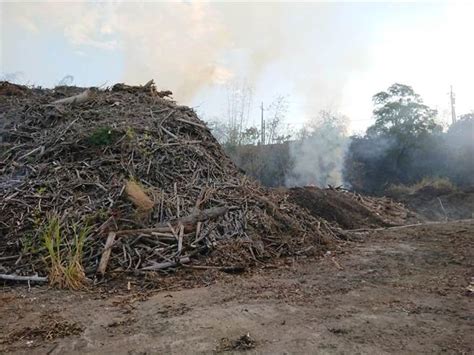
(321, 55)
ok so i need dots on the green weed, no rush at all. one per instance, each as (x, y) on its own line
(102, 136)
(64, 257)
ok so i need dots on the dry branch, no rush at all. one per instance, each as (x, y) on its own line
(188, 222)
(104, 260)
(76, 99)
(23, 278)
(166, 264)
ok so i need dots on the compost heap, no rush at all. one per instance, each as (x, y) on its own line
(350, 210)
(128, 165)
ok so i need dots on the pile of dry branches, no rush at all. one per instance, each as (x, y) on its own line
(140, 179)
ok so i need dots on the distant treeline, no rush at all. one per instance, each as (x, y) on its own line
(406, 145)
(403, 146)
(374, 163)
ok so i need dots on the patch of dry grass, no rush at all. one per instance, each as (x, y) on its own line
(64, 257)
(442, 185)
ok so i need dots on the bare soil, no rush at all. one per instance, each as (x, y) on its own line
(400, 290)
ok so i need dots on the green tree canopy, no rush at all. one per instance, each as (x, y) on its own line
(402, 146)
(400, 112)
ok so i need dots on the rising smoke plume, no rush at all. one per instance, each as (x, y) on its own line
(318, 156)
(188, 47)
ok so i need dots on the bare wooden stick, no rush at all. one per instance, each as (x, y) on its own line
(191, 122)
(40, 148)
(180, 239)
(442, 207)
(10, 257)
(76, 99)
(104, 260)
(166, 264)
(188, 222)
(23, 278)
(149, 84)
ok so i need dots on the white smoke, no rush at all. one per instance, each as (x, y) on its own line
(188, 46)
(318, 156)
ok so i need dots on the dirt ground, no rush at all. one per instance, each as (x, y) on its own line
(389, 291)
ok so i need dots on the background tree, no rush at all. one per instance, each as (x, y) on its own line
(405, 145)
(460, 141)
(400, 112)
(239, 104)
(274, 121)
(404, 121)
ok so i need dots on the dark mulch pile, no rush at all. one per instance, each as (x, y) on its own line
(350, 210)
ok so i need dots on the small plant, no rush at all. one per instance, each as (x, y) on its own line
(41, 190)
(130, 133)
(65, 259)
(27, 242)
(102, 136)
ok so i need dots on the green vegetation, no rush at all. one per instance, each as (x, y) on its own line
(64, 257)
(102, 136)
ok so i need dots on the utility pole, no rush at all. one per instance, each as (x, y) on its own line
(453, 106)
(262, 126)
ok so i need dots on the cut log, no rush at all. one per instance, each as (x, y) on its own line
(76, 99)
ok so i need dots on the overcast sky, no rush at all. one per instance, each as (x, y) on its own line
(322, 55)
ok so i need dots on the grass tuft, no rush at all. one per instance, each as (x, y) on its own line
(64, 257)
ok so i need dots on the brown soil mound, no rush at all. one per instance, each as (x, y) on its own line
(350, 210)
(65, 165)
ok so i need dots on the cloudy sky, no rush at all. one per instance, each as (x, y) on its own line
(323, 55)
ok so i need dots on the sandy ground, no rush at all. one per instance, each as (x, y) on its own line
(391, 291)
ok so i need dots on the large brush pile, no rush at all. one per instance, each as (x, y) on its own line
(129, 168)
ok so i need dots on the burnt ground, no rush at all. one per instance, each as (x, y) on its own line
(399, 290)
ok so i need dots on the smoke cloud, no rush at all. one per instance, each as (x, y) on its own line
(188, 47)
(318, 157)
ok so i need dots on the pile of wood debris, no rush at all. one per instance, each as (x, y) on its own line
(131, 182)
(350, 210)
